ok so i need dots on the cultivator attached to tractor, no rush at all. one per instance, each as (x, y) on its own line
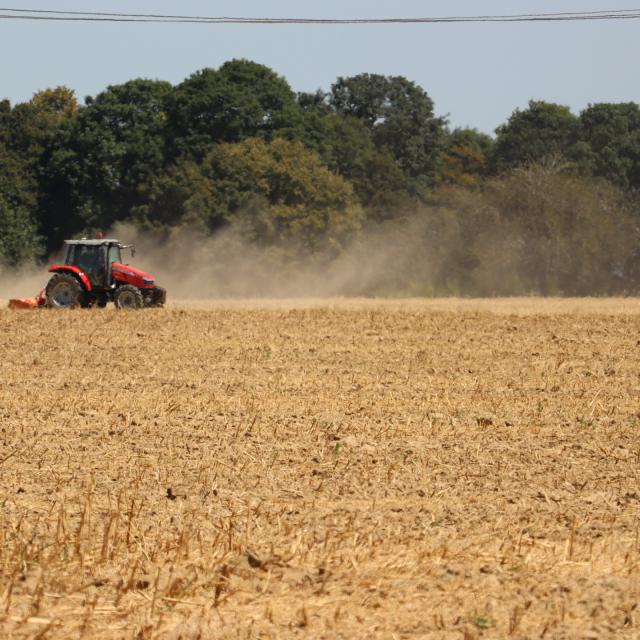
(93, 274)
(28, 303)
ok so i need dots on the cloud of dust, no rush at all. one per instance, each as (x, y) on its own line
(474, 246)
(22, 282)
(26, 280)
(226, 265)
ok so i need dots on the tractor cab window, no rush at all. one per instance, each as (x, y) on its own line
(114, 254)
(71, 254)
(85, 257)
(92, 260)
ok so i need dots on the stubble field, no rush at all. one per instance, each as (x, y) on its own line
(443, 469)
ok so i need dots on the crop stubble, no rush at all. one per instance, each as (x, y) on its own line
(331, 471)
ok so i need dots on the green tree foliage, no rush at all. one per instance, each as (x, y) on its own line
(54, 106)
(317, 103)
(181, 195)
(24, 132)
(100, 160)
(29, 125)
(542, 130)
(17, 182)
(239, 100)
(399, 115)
(344, 144)
(610, 136)
(283, 193)
(275, 192)
(384, 190)
(19, 237)
(5, 112)
(465, 161)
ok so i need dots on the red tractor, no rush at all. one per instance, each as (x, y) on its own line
(93, 274)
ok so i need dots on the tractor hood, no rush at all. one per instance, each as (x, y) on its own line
(131, 275)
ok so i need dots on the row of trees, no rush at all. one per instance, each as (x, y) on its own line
(312, 172)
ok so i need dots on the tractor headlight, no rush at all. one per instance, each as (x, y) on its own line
(148, 280)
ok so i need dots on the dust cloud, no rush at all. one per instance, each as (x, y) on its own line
(23, 282)
(434, 252)
(225, 265)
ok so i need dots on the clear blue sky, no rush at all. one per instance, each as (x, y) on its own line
(477, 74)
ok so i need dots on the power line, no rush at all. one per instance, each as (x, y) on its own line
(95, 16)
(601, 12)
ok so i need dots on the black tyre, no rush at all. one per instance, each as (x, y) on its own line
(128, 297)
(65, 292)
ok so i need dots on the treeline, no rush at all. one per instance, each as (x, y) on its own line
(549, 205)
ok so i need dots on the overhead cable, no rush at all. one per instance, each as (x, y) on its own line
(97, 16)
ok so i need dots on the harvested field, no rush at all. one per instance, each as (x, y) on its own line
(438, 469)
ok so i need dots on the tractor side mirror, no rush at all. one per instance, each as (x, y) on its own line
(133, 252)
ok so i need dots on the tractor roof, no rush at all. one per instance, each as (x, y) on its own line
(93, 242)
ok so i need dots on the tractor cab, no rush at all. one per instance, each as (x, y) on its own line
(95, 258)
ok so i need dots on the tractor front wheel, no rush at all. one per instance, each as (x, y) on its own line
(128, 297)
(64, 292)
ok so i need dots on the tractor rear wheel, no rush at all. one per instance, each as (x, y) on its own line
(128, 297)
(64, 292)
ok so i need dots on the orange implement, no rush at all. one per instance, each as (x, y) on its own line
(28, 303)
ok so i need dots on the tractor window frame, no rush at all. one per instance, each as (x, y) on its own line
(71, 254)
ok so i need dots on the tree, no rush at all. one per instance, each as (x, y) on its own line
(29, 125)
(23, 132)
(26, 132)
(465, 161)
(542, 130)
(5, 113)
(344, 144)
(181, 195)
(282, 193)
(575, 235)
(19, 238)
(399, 115)
(16, 181)
(55, 105)
(100, 160)
(534, 230)
(241, 99)
(610, 134)
(316, 103)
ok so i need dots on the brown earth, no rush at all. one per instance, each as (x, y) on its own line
(442, 469)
